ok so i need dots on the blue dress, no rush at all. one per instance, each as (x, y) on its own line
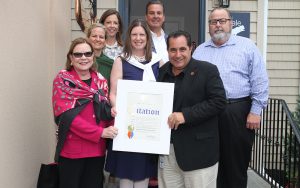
(131, 165)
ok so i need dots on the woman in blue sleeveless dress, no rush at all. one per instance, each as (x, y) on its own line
(136, 63)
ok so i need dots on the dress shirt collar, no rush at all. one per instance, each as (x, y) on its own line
(185, 70)
(162, 33)
(231, 41)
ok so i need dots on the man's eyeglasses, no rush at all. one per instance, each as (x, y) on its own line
(79, 54)
(221, 21)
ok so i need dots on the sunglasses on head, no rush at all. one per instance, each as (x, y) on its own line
(79, 54)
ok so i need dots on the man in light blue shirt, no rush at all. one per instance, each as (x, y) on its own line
(245, 79)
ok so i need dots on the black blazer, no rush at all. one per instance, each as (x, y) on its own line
(201, 98)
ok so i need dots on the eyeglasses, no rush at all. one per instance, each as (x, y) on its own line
(79, 54)
(221, 21)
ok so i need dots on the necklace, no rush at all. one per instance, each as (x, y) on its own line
(139, 59)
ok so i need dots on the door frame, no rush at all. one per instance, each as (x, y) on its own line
(124, 9)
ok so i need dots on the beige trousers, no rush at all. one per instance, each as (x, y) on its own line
(171, 176)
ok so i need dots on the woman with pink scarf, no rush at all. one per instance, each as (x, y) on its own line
(82, 112)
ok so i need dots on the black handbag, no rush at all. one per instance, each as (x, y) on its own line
(105, 110)
(102, 108)
(48, 176)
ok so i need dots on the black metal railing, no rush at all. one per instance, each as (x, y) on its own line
(276, 150)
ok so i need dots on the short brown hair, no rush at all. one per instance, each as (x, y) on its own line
(155, 2)
(74, 43)
(219, 8)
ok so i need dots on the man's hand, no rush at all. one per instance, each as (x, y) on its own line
(175, 119)
(253, 121)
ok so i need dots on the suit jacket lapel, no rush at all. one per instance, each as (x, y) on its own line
(189, 76)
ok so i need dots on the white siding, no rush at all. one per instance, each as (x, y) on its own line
(283, 52)
(102, 5)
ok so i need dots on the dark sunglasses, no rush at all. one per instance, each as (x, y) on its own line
(79, 54)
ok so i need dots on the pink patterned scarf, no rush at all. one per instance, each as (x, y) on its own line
(68, 88)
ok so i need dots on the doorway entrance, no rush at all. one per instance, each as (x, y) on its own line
(180, 15)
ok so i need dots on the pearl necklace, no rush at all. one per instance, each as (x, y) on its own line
(139, 59)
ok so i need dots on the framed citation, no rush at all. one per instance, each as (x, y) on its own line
(142, 114)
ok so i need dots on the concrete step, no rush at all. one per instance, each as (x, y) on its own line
(255, 181)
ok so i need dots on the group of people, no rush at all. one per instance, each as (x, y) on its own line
(220, 91)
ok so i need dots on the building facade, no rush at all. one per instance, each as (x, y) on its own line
(35, 40)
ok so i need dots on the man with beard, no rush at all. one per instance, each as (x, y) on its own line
(245, 79)
(155, 18)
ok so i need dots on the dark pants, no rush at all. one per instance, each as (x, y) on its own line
(235, 146)
(81, 173)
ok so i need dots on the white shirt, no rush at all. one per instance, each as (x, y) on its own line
(160, 45)
(148, 74)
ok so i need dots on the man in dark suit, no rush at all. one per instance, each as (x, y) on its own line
(199, 97)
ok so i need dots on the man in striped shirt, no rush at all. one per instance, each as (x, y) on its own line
(245, 79)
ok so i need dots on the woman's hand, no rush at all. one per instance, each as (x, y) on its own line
(113, 111)
(110, 132)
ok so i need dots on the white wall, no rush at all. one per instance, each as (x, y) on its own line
(35, 36)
